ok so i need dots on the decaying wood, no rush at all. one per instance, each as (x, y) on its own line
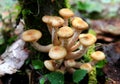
(13, 58)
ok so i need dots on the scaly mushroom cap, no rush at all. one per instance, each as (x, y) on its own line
(86, 66)
(66, 13)
(98, 55)
(79, 23)
(87, 39)
(57, 52)
(49, 65)
(65, 32)
(31, 35)
(56, 21)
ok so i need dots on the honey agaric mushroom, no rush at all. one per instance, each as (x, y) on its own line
(49, 64)
(57, 52)
(86, 66)
(79, 25)
(97, 56)
(33, 35)
(46, 19)
(66, 14)
(85, 40)
(56, 22)
(65, 33)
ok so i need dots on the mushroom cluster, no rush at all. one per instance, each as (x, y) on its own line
(68, 44)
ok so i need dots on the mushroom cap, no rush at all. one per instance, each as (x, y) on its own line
(79, 23)
(49, 65)
(70, 63)
(65, 32)
(56, 21)
(31, 35)
(57, 52)
(98, 55)
(46, 19)
(66, 13)
(87, 39)
(86, 66)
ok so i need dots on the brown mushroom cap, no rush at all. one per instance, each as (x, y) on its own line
(65, 32)
(87, 39)
(98, 55)
(79, 23)
(46, 19)
(49, 65)
(31, 35)
(57, 52)
(66, 13)
(86, 66)
(56, 21)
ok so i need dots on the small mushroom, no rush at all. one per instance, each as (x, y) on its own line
(49, 64)
(65, 33)
(33, 35)
(46, 19)
(97, 56)
(57, 52)
(56, 22)
(86, 66)
(66, 14)
(87, 39)
(79, 25)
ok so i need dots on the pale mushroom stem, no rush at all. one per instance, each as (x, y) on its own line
(73, 39)
(55, 40)
(41, 48)
(66, 21)
(76, 54)
(64, 42)
(49, 28)
(76, 46)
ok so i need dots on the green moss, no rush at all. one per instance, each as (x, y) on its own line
(92, 77)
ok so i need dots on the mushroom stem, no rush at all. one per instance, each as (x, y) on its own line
(41, 48)
(76, 54)
(76, 46)
(73, 39)
(64, 42)
(55, 40)
(66, 22)
(49, 28)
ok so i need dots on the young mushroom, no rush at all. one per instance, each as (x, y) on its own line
(33, 35)
(50, 65)
(56, 22)
(86, 66)
(79, 25)
(46, 19)
(64, 33)
(85, 40)
(97, 56)
(57, 52)
(66, 14)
